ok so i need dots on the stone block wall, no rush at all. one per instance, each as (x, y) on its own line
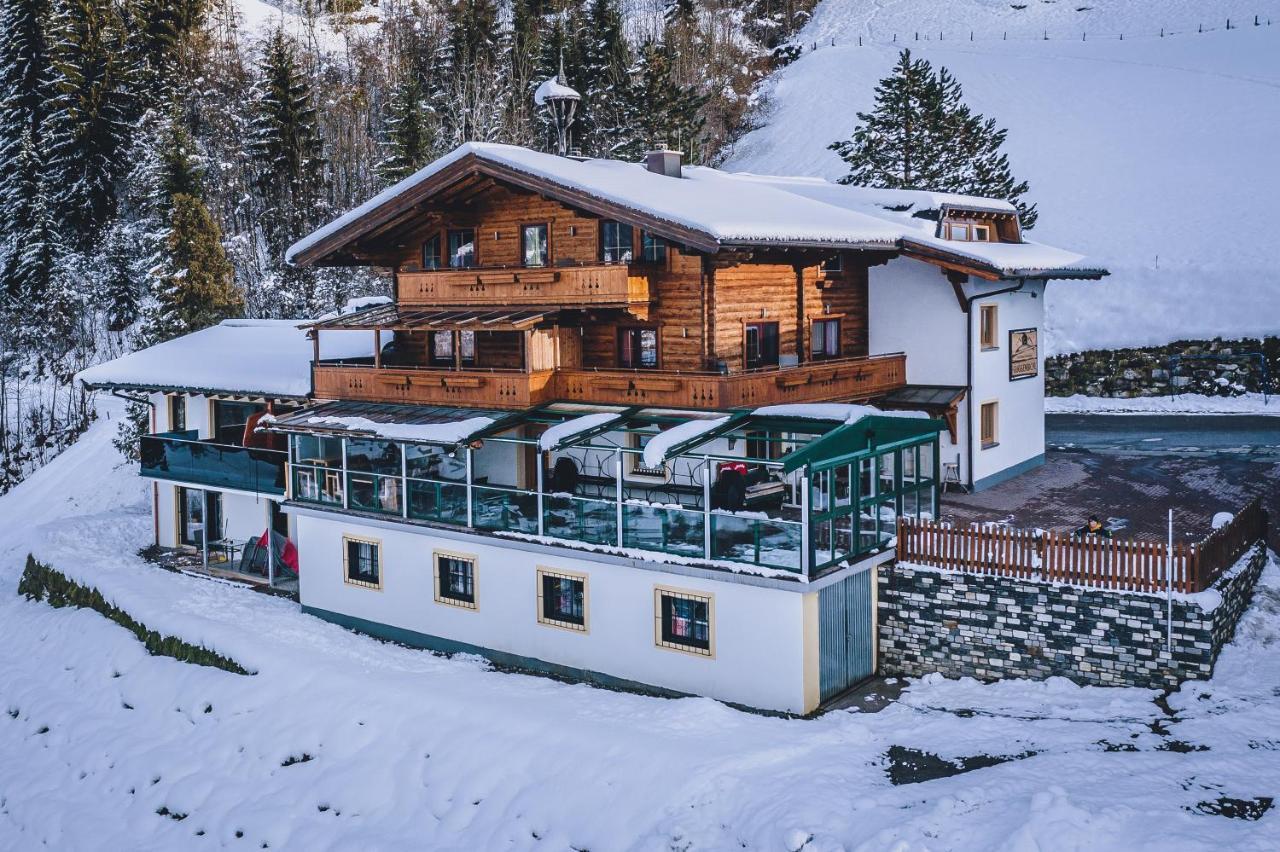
(998, 627)
(1145, 371)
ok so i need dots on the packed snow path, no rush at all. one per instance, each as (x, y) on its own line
(340, 741)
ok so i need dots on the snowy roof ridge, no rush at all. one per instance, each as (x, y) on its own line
(726, 208)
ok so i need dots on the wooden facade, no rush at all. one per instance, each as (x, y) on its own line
(694, 311)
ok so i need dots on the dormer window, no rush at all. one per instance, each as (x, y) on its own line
(968, 232)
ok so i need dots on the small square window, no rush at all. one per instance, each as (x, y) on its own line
(456, 580)
(361, 562)
(685, 621)
(989, 322)
(562, 600)
(431, 252)
(990, 424)
(835, 263)
(653, 249)
(982, 233)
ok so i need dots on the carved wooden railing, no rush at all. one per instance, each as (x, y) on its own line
(598, 284)
(843, 379)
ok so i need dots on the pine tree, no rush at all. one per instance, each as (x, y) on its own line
(606, 93)
(661, 111)
(156, 30)
(921, 135)
(409, 141)
(284, 141)
(26, 87)
(91, 120)
(36, 246)
(120, 278)
(192, 283)
(523, 47)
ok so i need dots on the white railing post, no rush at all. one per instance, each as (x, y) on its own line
(271, 557)
(345, 485)
(541, 522)
(470, 515)
(706, 507)
(404, 480)
(804, 525)
(618, 464)
(204, 528)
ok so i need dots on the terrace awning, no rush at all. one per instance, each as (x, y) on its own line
(861, 437)
(394, 318)
(420, 424)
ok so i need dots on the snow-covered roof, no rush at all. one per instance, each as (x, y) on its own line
(244, 357)
(718, 208)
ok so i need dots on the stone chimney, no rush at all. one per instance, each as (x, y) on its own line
(662, 161)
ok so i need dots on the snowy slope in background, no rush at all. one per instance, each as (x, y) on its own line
(1155, 157)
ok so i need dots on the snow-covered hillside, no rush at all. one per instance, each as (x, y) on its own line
(342, 742)
(1156, 156)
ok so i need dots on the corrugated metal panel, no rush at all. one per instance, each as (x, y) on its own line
(845, 641)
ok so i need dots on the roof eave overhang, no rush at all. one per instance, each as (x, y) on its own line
(970, 266)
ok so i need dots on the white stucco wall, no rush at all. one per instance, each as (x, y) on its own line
(913, 309)
(758, 633)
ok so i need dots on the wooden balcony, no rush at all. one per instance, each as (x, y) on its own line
(467, 388)
(822, 381)
(601, 285)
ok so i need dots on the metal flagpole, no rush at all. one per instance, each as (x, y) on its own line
(1169, 590)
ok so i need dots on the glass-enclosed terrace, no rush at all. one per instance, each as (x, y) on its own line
(792, 488)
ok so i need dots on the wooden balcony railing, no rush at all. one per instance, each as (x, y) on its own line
(597, 284)
(843, 379)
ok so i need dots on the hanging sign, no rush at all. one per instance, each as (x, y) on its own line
(1024, 353)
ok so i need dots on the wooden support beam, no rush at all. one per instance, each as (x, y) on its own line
(377, 349)
(801, 323)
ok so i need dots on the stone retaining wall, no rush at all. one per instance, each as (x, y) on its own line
(997, 627)
(1145, 371)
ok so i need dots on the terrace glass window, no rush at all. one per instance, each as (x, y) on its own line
(361, 562)
(825, 339)
(533, 245)
(638, 348)
(456, 580)
(616, 242)
(761, 346)
(317, 469)
(684, 621)
(562, 600)
(230, 418)
(373, 476)
(653, 249)
(177, 412)
(431, 252)
(462, 248)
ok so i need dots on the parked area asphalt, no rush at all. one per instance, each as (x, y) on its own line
(1132, 490)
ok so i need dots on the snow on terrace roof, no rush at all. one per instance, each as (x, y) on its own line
(718, 204)
(242, 357)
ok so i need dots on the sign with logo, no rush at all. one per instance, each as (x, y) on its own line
(1024, 353)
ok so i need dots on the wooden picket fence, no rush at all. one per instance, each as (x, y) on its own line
(1104, 563)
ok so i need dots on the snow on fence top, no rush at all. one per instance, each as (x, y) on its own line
(268, 358)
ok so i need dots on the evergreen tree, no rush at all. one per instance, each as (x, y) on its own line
(192, 282)
(156, 30)
(26, 87)
(921, 135)
(606, 95)
(409, 141)
(523, 47)
(91, 120)
(662, 110)
(284, 140)
(120, 278)
(35, 250)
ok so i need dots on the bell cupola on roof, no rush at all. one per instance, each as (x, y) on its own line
(561, 102)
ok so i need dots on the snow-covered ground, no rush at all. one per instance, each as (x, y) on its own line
(388, 747)
(1186, 403)
(1153, 156)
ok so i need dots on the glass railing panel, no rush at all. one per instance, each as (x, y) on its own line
(771, 542)
(664, 529)
(438, 500)
(508, 509)
(216, 465)
(580, 519)
(374, 492)
(315, 484)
